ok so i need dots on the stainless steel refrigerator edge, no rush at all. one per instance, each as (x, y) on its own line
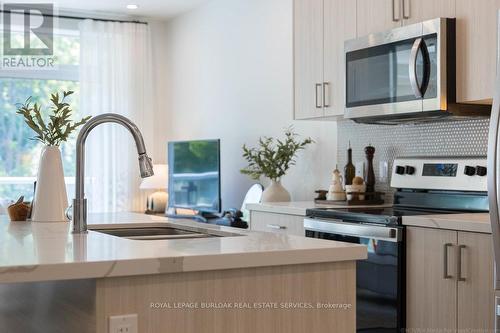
(494, 183)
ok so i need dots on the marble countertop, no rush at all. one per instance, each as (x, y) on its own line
(49, 251)
(474, 222)
(296, 207)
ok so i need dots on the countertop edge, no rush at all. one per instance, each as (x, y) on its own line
(457, 222)
(299, 211)
(167, 265)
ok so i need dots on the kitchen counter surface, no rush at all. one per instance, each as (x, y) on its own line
(49, 251)
(475, 222)
(295, 207)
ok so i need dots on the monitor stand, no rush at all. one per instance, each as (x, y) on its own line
(200, 216)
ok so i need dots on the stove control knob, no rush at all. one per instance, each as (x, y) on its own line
(470, 171)
(400, 170)
(409, 170)
(481, 171)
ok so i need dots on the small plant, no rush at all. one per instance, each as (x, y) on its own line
(273, 159)
(57, 128)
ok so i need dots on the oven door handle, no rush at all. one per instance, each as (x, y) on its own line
(419, 89)
(354, 229)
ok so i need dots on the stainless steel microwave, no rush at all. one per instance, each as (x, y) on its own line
(405, 74)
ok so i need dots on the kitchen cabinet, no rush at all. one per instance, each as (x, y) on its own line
(431, 298)
(320, 29)
(415, 11)
(322, 26)
(475, 286)
(339, 26)
(377, 15)
(277, 223)
(308, 58)
(476, 49)
(381, 15)
(449, 280)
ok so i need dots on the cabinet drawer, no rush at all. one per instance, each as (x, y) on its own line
(278, 223)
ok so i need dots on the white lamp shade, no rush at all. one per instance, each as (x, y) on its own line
(159, 181)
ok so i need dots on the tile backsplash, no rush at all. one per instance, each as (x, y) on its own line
(448, 138)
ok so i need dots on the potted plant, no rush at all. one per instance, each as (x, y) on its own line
(272, 159)
(51, 130)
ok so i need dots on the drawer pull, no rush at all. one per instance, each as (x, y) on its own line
(459, 263)
(276, 226)
(326, 94)
(318, 100)
(445, 263)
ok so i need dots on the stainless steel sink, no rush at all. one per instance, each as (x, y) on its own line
(151, 233)
(140, 232)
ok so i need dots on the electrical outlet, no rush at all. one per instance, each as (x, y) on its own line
(360, 169)
(123, 324)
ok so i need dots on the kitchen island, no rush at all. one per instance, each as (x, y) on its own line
(236, 281)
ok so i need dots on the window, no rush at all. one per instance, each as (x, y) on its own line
(19, 155)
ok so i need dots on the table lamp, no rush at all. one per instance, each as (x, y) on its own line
(157, 201)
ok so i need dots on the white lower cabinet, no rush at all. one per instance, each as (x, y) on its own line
(449, 281)
(278, 223)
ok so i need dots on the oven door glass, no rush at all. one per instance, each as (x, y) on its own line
(379, 284)
(381, 74)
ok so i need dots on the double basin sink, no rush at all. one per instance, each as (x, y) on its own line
(160, 231)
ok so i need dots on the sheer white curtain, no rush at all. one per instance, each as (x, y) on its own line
(115, 76)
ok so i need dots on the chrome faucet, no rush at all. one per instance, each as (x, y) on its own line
(145, 164)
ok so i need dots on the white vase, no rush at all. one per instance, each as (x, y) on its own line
(51, 199)
(275, 193)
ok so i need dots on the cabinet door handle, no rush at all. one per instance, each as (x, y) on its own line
(326, 94)
(319, 105)
(395, 10)
(276, 226)
(445, 261)
(459, 263)
(406, 9)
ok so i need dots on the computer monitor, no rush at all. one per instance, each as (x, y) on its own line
(194, 175)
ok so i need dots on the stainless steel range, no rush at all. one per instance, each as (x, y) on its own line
(423, 186)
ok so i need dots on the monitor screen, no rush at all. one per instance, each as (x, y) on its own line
(194, 175)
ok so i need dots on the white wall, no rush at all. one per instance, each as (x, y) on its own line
(229, 76)
(158, 50)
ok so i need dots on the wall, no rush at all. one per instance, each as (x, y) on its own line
(229, 76)
(158, 51)
(452, 138)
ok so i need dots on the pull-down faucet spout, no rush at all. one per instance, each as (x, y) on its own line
(145, 164)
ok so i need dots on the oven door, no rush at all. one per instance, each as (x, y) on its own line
(379, 279)
(402, 71)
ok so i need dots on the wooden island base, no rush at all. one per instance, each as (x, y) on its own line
(312, 298)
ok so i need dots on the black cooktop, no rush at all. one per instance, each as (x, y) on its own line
(383, 215)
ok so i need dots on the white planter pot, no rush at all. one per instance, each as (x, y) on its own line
(51, 199)
(275, 193)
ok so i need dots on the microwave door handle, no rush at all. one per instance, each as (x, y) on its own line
(419, 89)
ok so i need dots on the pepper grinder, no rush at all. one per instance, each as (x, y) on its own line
(370, 174)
